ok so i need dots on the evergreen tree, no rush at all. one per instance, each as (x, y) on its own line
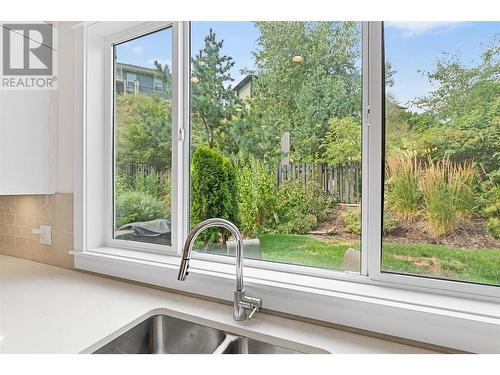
(213, 99)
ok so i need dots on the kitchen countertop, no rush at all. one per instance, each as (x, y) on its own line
(45, 309)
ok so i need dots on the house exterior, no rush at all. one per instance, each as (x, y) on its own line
(244, 87)
(134, 79)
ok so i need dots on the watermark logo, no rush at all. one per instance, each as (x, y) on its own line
(28, 56)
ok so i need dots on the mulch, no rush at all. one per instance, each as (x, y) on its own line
(469, 233)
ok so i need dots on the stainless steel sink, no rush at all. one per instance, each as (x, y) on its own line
(163, 334)
(244, 345)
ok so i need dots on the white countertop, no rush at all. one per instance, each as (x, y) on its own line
(45, 309)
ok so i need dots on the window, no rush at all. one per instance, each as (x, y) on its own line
(275, 145)
(277, 126)
(158, 84)
(276, 139)
(442, 151)
(143, 140)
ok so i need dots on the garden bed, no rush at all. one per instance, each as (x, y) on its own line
(468, 234)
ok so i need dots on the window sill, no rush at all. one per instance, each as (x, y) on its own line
(454, 322)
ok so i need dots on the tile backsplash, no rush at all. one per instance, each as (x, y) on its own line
(21, 213)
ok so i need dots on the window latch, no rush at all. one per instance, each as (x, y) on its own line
(181, 134)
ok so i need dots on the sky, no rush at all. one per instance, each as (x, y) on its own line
(410, 46)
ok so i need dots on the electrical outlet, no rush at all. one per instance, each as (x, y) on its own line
(45, 232)
(46, 235)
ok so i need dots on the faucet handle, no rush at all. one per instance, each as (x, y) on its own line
(252, 303)
(244, 304)
(255, 309)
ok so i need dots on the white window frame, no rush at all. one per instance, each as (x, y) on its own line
(110, 41)
(375, 182)
(96, 249)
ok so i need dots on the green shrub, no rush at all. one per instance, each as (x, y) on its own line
(352, 221)
(293, 207)
(257, 193)
(298, 225)
(122, 183)
(132, 206)
(148, 183)
(492, 211)
(297, 204)
(231, 206)
(166, 196)
(402, 191)
(214, 187)
(390, 224)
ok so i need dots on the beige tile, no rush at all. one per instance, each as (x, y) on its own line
(9, 250)
(62, 238)
(22, 242)
(33, 221)
(68, 262)
(68, 226)
(9, 218)
(64, 213)
(63, 259)
(47, 213)
(9, 239)
(6, 200)
(22, 210)
(19, 214)
(59, 226)
(23, 253)
(20, 220)
(29, 200)
(15, 230)
(25, 232)
(64, 200)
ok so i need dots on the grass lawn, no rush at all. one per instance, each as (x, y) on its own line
(478, 265)
(303, 249)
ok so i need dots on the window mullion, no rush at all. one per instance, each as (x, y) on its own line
(374, 156)
(180, 135)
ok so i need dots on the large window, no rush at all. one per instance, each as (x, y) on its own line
(143, 138)
(276, 139)
(442, 151)
(277, 126)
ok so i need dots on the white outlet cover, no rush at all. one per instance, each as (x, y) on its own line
(46, 235)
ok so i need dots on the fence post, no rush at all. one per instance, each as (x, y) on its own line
(319, 177)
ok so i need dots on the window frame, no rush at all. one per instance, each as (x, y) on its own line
(372, 172)
(376, 152)
(111, 41)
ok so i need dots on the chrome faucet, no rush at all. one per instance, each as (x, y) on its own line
(242, 303)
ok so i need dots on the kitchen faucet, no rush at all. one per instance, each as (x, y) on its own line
(242, 303)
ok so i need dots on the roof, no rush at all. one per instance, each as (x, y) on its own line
(243, 82)
(136, 68)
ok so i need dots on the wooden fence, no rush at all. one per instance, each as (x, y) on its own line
(343, 182)
(133, 169)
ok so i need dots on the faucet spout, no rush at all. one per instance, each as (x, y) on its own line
(242, 302)
(193, 235)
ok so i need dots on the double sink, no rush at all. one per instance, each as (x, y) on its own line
(164, 334)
